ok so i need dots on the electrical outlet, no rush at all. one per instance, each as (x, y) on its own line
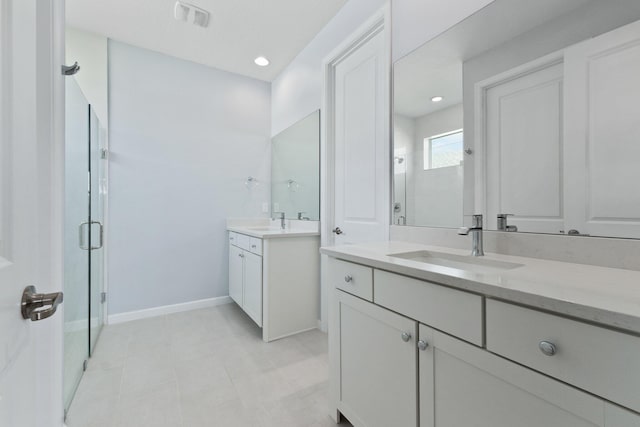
(265, 207)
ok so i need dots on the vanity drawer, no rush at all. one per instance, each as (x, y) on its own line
(599, 360)
(352, 278)
(255, 245)
(455, 312)
(233, 238)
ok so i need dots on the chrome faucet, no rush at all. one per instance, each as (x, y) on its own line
(281, 218)
(502, 223)
(302, 217)
(476, 233)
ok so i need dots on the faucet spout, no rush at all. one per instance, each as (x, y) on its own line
(476, 234)
(281, 218)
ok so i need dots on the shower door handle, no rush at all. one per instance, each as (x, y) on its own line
(101, 235)
(81, 236)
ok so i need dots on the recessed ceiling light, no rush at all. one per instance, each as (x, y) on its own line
(261, 61)
(437, 99)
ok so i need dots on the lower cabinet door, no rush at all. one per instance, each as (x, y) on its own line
(476, 388)
(253, 287)
(236, 268)
(378, 381)
(426, 360)
(616, 416)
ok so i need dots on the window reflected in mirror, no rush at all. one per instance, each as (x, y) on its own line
(526, 110)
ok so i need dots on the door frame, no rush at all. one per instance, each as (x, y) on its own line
(379, 22)
(44, 46)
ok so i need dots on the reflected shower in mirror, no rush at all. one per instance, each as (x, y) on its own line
(428, 141)
(525, 112)
(295, 170)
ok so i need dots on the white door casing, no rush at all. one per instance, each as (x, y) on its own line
(602, 130)
(31, 182)
(374, 37)
(357, 182)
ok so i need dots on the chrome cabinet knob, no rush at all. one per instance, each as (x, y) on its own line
(422, 345)
(547, 348)
(406, 336)
(337, 230)
(348, 278)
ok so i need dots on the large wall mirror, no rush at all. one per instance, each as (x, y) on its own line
(295, 170)
(526, 108)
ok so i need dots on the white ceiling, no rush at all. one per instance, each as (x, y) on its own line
(238, 31)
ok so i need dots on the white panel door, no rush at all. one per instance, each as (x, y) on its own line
(30, 353)
(603, 134)
(236, 273)
(523, 125)
(362, 143)
(378, 368)
(252, 300)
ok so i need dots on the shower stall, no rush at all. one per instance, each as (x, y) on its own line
(85, 193)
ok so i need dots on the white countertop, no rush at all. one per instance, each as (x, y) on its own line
(262, 232)
(607, 296)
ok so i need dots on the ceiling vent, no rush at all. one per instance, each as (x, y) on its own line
(189, 13)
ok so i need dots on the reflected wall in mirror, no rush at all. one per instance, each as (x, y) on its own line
(295, 170)
(546, 94)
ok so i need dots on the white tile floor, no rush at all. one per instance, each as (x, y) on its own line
(203, 368)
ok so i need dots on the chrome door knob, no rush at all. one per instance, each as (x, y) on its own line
(422, 345)
(406, 336)
(348, 278)
(547, 348)
(337, 230)
(37, 306)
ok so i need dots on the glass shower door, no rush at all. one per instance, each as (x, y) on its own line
(76, 256)
(97, 178)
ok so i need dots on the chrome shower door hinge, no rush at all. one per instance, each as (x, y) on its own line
(103, 297)
(104, 153)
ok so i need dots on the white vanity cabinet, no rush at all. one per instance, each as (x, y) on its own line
(245, 278)
(407, 352)
(276, 280)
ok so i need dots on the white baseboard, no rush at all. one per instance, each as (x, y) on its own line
(167, 309)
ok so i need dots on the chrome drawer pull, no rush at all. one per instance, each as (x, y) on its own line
(406, 336)
(348, 278)
(547, 348)
(422, 345)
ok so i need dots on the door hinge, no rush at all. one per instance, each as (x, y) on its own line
(104, 153)
(85, 364)
(103, 297)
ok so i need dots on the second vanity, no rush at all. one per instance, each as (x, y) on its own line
(274, 275)
(431, 337)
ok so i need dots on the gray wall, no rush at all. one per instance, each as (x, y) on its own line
(184, 138)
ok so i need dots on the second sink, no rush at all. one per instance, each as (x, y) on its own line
(461, 262)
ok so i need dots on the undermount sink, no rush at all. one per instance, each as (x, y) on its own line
(461, 262)
(264, 228)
